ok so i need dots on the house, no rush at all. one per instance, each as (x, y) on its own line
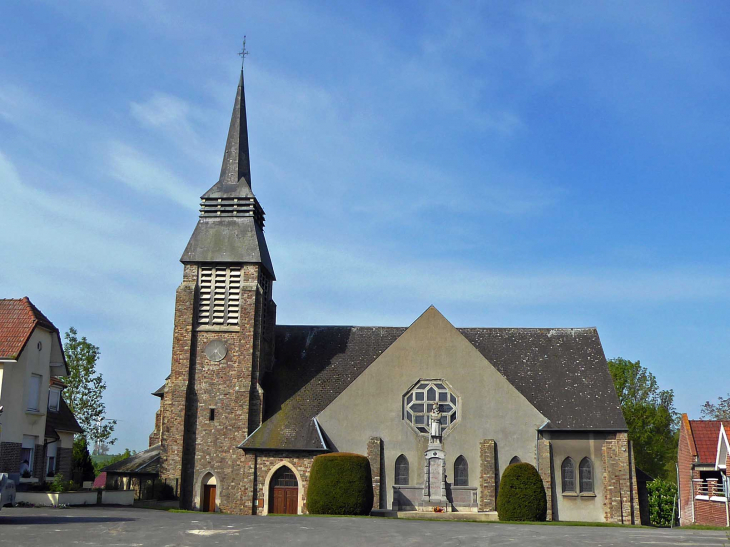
(37, 427)
(702, 463)
(250, 403)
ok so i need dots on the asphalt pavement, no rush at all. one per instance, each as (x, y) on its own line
(128, 527)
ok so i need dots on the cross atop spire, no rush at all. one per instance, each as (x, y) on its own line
(243, 52)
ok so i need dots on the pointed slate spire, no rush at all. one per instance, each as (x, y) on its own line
(231, 225)
(236, 164)
(235, 178)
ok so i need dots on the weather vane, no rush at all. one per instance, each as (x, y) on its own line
(243, 52)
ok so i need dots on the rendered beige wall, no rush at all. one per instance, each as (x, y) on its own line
(14, 392)
(490, 407)
(577, 446)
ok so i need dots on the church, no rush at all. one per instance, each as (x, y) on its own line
(249, 403)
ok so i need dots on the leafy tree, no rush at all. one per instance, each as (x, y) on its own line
(650, 416)
(718, 411)
(114, 458)
(82, 468)
(86, 389)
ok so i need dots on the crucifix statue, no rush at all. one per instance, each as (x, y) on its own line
(435, 418)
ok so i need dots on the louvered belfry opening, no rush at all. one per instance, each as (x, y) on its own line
(220, 295)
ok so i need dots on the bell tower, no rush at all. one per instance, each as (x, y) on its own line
(223, 338)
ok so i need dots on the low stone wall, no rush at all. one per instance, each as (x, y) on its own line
(57, 498)
(117, 497)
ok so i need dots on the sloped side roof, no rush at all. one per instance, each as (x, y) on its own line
(18, 318)
(313, 366)
(705, 434)
(147, 461)
(63, 420)
(562, 372)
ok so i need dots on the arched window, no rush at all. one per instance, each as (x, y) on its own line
(568, 473)
(401, 470)
(516, 459)
(461, 472)
(585, 471)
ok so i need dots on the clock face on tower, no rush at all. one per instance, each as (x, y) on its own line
(216, 350)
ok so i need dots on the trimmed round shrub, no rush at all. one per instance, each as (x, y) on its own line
(340, 484)
(521, 494)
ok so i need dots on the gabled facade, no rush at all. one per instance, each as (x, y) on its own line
(702, 460)
(249, 404)
(36, 426)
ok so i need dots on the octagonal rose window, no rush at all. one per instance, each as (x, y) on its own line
(418, 402)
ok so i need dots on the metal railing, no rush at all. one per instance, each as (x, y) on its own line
(709, 488)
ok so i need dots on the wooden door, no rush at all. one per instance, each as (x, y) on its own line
(285, 500)
(209, 498)
(284, 494)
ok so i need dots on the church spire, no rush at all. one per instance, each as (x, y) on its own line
(236, 167)
(231, 224)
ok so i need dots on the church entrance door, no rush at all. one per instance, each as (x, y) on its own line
(284, 494)
(209, 498)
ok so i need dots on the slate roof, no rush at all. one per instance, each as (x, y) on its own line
(63, 420)
(225, 233)
(705, 434)
(562, 372)
(147, 461)
(18, 318)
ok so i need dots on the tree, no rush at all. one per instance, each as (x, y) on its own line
(718, 411)
(650, 416)
(82, 468)
(86, 389)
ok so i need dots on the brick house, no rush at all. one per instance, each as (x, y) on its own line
(36, 425)
(249, 403)
(702, 460)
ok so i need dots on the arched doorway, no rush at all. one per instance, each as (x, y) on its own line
(284, 492)
(208, 493)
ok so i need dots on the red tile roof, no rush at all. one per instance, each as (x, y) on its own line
(18, 318)
(705, 434)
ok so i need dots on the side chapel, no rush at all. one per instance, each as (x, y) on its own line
(249, 403)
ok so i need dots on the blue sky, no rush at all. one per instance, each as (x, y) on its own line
(541, 164)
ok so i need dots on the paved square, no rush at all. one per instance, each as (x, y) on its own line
(120, 527)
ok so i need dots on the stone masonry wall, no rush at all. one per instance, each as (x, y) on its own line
(193, 445)
(545, 465)
(620, 498)
(39, 462)
(375, 455)
(65, 461)
(266, 461)
(487, 476)
(10, 457)
(175, 401)
(156, 435)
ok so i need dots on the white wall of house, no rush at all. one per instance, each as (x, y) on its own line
(24, 386)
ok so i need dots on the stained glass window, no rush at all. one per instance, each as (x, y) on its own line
(418, 403)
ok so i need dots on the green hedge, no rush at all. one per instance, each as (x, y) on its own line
(340, 484)
(521, 494)
(661, 502)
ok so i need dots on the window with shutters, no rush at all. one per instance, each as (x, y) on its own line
(265, 283)
(34, 393)
(220, 295)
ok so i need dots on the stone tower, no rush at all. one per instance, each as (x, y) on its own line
(223, 337)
